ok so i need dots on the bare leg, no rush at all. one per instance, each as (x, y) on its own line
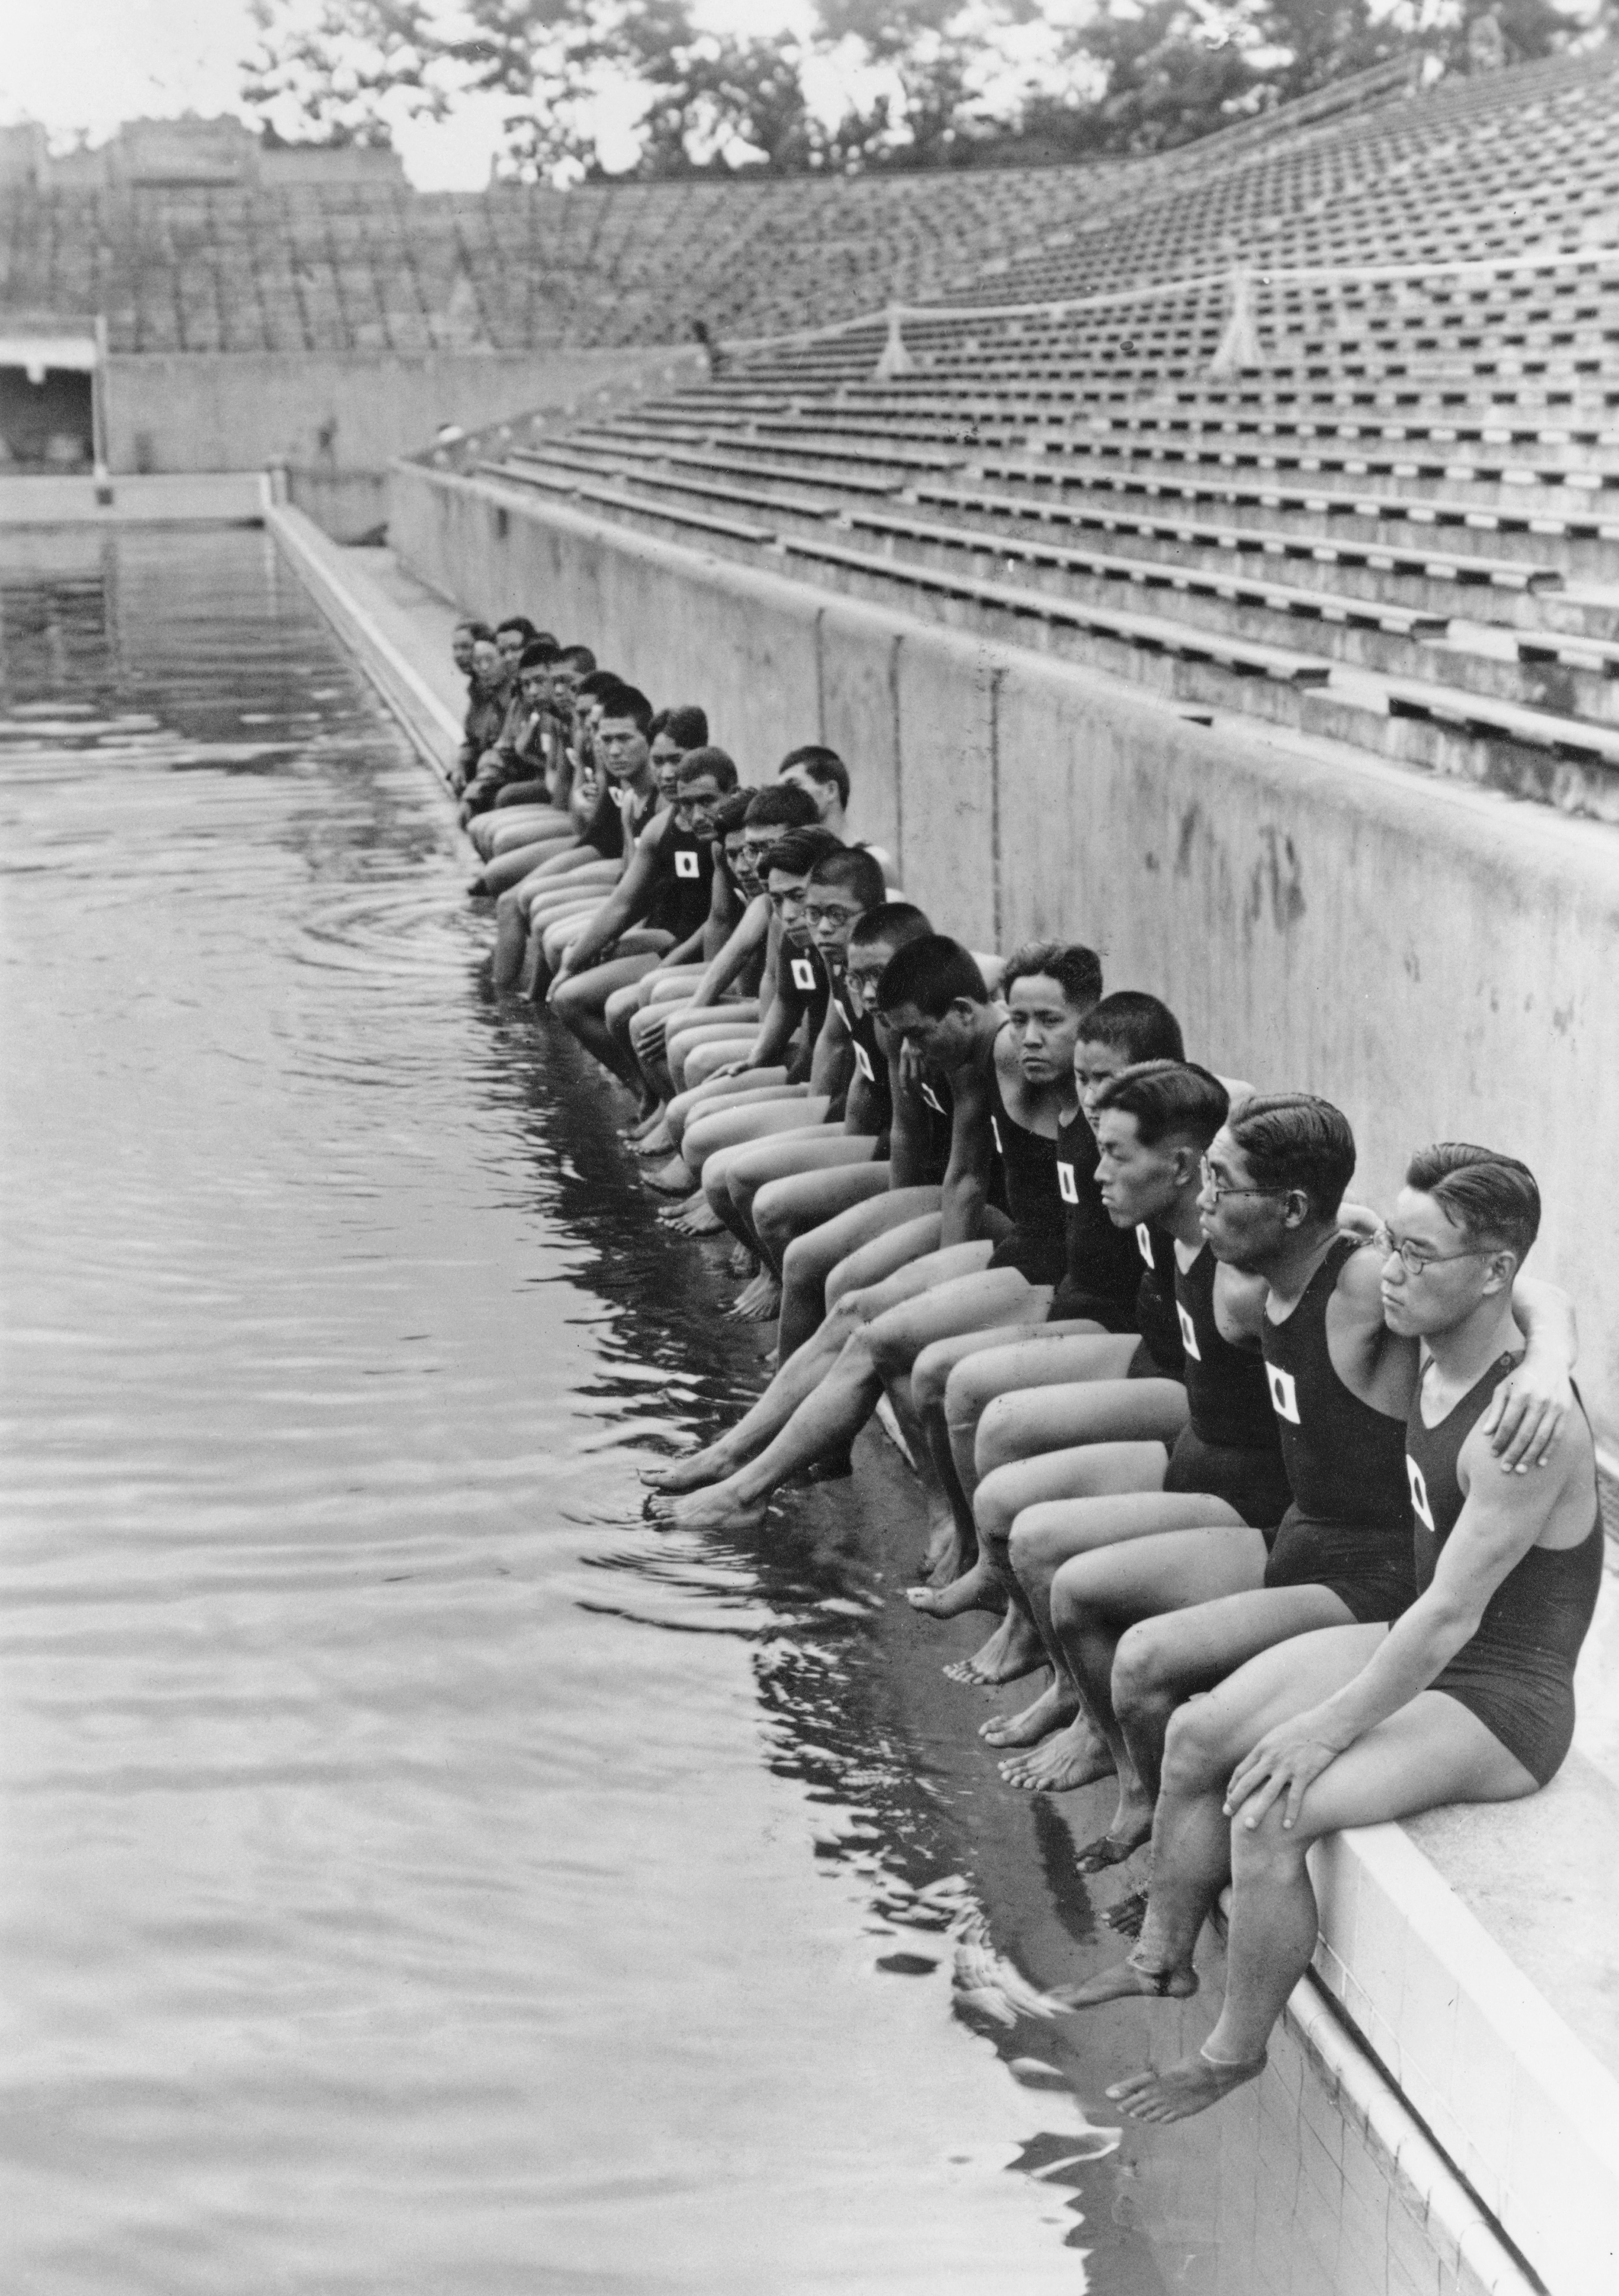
(1056, 1354)
(1177, 1549)
(579, 1003)
(1097, 1469)
(810, 1263)
(826, 1423)
(796, 1380)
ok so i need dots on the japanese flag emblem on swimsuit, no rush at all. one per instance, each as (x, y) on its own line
(1419, 1493)
(1284, 1394)
(685, 865)
(803, 972)
(1067, 1186)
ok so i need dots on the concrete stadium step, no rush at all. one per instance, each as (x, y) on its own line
(1148, 633)
(575, 484)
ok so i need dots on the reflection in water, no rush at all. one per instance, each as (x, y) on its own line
(423, 1871)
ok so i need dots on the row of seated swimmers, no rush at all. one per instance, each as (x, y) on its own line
(1287, 1506)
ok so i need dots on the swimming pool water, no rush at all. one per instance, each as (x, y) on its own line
(422, 1872)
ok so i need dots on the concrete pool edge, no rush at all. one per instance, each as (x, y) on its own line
(1408, 1968)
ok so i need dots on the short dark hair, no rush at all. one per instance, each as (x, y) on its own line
(628, 701)
(546, 637)
(855, 871)
(1295, 1140)
(930, 973)
(731, 811)
(785, 805)
(539, 653)
(480, 631)
(597, 681)
(581, 657)
(799, 850)
(1076, 970)
(686, 726)
(1167, 1096)
(516, 622)
(897, 922)
(1131, 1021)
(698, 763)
(1493, 1199)
(821, 764)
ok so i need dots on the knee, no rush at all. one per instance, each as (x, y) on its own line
(1141, 1671)
(771, 1219)
(1195, 1758)
(963, 1405)
(1263, 1852)
(994, 1444)
(994, 1510)
(930, 1378)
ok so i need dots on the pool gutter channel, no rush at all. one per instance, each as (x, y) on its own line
(1473, 2254)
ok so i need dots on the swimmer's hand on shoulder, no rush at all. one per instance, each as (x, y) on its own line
(1360, 1221)
(1527, 1413)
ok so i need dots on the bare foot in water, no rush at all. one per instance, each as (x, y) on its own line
(1183, 2089)
(942, 1541)
(675, 1178)
(760, 1303)
(689, 1474)
(1012, 1651)
(1070, 1757)
(1128, 1981)
(1051, 1709)
(1126, 1916)
(980, 1590)
(696, 1218)
(719, 1509)
(740, 1262)
(659, 1141)
(1132, 1824)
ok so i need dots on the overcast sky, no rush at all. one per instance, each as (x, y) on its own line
(79, 64)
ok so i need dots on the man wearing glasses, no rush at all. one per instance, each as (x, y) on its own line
(1468, 1696)
(1339, 1382)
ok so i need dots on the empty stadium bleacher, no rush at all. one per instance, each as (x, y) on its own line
(1393, 523)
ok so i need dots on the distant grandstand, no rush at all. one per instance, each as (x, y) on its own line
(1319, 428)
(190, 236)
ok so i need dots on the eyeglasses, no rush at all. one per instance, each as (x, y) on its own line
(814, 915)
(1220, 1189)
(1416, 1262)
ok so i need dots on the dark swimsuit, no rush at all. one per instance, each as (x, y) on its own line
(1230, 1447)
(1102, 1266)
(804, 985)
(682, 892)
(1161, 1353)
(1037, 1246)
(1517, 1673)
(1348, 1526)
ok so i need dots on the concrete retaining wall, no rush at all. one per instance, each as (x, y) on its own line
(337, 420)
(1440, 961)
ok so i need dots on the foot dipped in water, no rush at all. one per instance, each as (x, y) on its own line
(1183, 2089)
(760, 1303)
(719, 1508)
(978, 1590)
(695, 1217)
(659, 1141)
(675, 1178)
(692, 1473)
(1070, 1757)
(1135, 1980)
(1053, 1709)
(1013, 1650)
(1132, 1826)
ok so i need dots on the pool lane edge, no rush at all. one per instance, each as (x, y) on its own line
(360, 615)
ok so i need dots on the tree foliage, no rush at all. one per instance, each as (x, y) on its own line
(865, 83)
